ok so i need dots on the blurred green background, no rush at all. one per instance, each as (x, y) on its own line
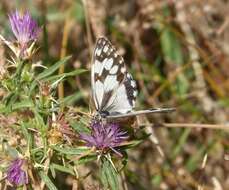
(178, 52)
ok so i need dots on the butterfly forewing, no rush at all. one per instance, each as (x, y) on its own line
(113, 88)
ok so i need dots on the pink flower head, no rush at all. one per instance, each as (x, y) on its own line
(25, 29)
(15, 173)
(104, 136)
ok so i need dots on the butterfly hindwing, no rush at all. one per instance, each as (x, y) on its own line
(113, 88)
(123, 100)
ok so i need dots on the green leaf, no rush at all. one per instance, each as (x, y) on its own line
(80, 126)
(38, 154)
(172, 51)
(62, 169)
(39, 120)
(48, 72)
(55, 15)
(173, 54)
(78, 11)
(27, 135)
(69, 100)
(53, 172)
(224, 102)
(181, 142)
(11, 151)
(53, 68)
(109, 176)
(64, 75)
(19, 188)
(103, 177)
(71, 151)
(124, 160)
(3, 108)
(171, 46)
(9, 101)
(156, 180)
(130, 144)
(47, 181)
(23, 104)
(86, 159)
(8, 97)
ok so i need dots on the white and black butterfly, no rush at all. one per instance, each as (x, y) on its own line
(114, 91)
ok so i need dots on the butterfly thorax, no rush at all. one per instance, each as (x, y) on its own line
(100, 116)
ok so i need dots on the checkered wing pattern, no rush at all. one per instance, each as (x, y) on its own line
(113, 88)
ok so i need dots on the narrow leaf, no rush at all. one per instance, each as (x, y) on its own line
(47, 181)
(53, 68)
(23, 104)
(27, 135)
(71, 151)
(48, 72)
(103, 176)
(64, 75)
(109, 175)
(80, 126)
(69, 100)
(62, 169)
(86, 159)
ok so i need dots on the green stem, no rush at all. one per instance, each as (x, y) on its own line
(19, 69)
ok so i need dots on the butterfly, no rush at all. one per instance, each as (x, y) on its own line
(114, 90)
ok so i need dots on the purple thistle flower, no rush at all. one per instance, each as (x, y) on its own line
(25, 29)
(104, 136)
(16, 174)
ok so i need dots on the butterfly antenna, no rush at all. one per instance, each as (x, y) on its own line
(162, 110)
